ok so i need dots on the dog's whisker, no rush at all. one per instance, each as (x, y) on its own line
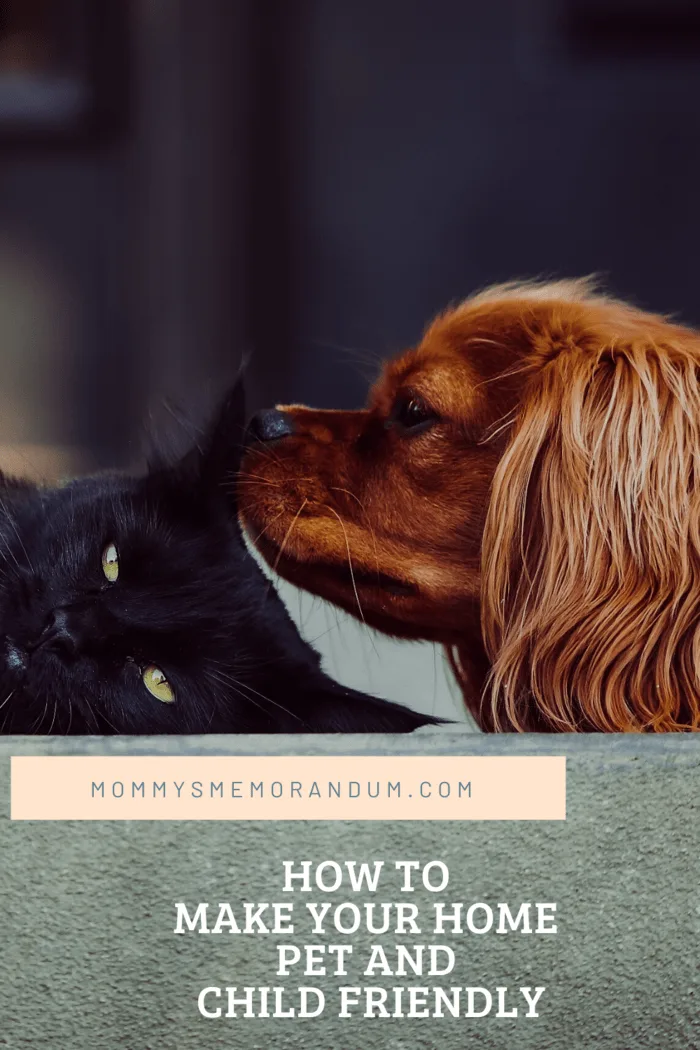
(352, 577)
(261, 450)
(265, 452)
(499, 426)
(269, 525)
(251, 486)
(333, 627)
(363, 356)
(335, 488)
(287, 535)
(504, 375)
(244, 475)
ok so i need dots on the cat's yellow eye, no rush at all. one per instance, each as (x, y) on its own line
(110, 563)
(158, 685)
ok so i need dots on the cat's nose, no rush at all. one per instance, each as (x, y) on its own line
(270, 425)
(61, 632)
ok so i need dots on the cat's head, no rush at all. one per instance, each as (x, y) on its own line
(117, 593)
(131, 605)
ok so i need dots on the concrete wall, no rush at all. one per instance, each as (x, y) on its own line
(89, 961)
(415, 674)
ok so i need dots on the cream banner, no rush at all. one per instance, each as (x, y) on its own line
(300, 787)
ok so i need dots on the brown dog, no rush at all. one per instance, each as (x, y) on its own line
(534, 464)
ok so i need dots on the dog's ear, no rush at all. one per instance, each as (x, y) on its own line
(591, 554)
(331, 708)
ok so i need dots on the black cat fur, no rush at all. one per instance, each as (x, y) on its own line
(189, 599)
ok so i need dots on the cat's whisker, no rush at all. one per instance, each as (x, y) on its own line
(7, 699)
(236, 689)
(16, 532)
(53, 718)
(104, 718)
(10, 552)
(40, 719)
(8, 713)
(244, 685)
(95, 722)
(281, 707)
(110, 724)
(91, 713)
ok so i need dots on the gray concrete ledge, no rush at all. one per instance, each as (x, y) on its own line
(430, 740)
(89, 960)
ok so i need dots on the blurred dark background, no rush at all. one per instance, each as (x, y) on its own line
(183, 180)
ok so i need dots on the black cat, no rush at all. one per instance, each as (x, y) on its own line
(131, 605)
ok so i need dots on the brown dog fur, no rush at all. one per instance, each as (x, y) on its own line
(554, 498)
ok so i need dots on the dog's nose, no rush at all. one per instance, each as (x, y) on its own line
(270, 425)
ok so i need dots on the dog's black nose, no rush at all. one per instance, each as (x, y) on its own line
(270, 425)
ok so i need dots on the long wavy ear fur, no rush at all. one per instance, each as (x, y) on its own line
(591, 558)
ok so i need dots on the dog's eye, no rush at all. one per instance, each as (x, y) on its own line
(158, 685)
(412, 412)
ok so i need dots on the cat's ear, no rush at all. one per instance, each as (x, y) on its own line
(208, 468)
(222, 447)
